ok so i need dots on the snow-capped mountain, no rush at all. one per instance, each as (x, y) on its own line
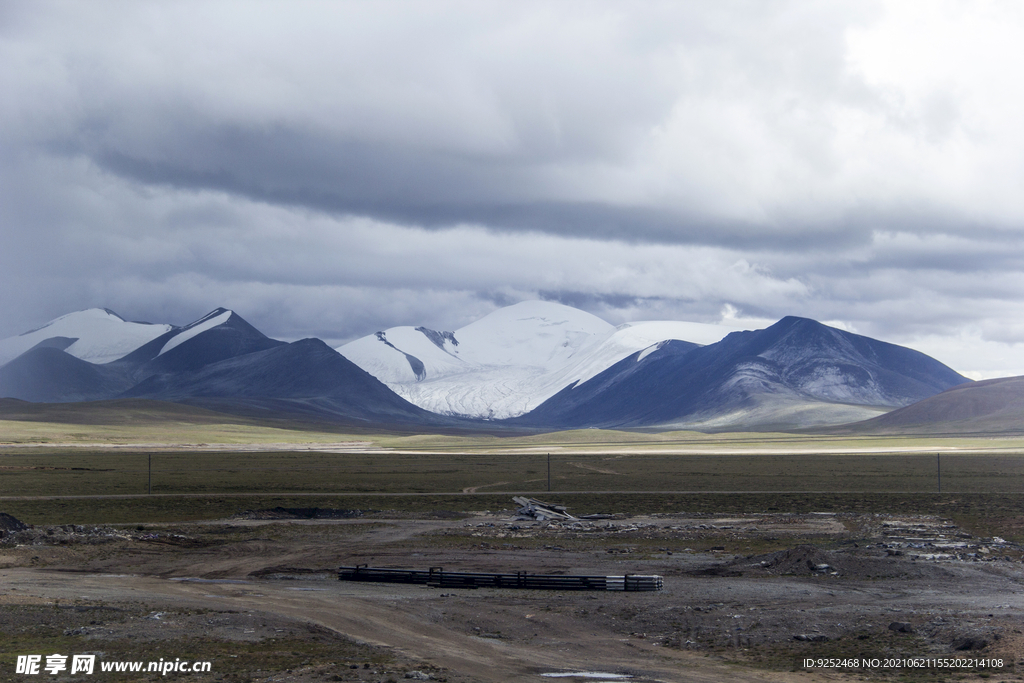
(218, 335)
(113, 355)
(795, 373)
(97, 335)
(102, 355)
(219, 361)
(534, 365)
(506, 363)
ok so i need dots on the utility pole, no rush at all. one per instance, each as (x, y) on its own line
(549, 473)
(149, 488)
(938, 469)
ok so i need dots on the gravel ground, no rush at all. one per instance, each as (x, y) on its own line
(746, 598)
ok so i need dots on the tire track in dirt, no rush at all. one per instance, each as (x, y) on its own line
(395, 618)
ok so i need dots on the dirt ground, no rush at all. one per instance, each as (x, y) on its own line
(747, 598)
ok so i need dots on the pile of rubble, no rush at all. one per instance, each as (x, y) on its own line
(941, 540)
(63, 534)
(15, 533)
(531, 509)
(10, 523)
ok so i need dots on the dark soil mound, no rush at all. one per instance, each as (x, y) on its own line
(803, 559)
(808, 560)
(10, 523)
(300, 513)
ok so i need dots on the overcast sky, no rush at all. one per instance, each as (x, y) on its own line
(331, 169)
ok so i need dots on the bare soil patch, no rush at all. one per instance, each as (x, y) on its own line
(748, 597)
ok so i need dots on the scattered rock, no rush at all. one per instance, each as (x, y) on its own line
(417, 675)
(63, 534)
(969, 643)
(901, 627)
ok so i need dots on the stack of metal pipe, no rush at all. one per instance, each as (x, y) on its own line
(437, 577)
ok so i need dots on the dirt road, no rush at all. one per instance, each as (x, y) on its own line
(723, 616)
(398, 617)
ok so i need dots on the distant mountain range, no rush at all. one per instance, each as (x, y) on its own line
(532, 366)
(219, 362)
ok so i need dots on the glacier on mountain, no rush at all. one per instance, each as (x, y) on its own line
(508, 362)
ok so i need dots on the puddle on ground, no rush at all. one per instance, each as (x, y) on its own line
(599, 675)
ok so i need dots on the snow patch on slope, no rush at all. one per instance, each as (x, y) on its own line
(833, 383)
(384, 355)
(202, 325)
(100, 335)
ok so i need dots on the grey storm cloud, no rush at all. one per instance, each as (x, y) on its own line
(523, 118)
(333, 168)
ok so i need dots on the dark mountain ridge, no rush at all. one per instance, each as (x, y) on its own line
(309, 374)
(796, 362)
(48, 374)
(992, 406)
